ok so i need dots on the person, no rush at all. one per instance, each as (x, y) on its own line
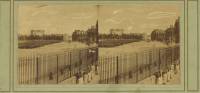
(80, 79)
(77, 77)
(130, 74)
(171, 71)
(164, 76)
(96, 69)
(84, 77)
(50, 76)
(157, 76)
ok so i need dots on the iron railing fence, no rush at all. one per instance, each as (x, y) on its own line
(54, 68)
(134, 67)
(116, 69)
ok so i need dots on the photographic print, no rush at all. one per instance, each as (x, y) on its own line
(98, 44)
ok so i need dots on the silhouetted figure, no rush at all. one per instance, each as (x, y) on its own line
(50, 76)
(157, 76)
(77, 77)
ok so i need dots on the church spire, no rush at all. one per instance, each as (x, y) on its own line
(97, 32)
(97, 25)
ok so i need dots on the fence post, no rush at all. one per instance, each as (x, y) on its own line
(159, 60)
(171, 55)
(106, 70)
(23, 70)
(57, 67)
(166, 59)
(117, 78)
(80, 62)
(108, 77)
(19, 71)
(100, 68)
(37, 71)
(136, 67)
(103, 69)
(96, 65)
(150, 61)
(146, 65)
(70, 59)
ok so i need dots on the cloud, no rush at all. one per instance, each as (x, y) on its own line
(159, 15)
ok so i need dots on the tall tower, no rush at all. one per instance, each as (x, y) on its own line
(97, 39)
(97, 32)
(177, 30)
(97, 26)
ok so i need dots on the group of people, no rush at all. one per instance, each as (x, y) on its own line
(86, 77)
(164, 76)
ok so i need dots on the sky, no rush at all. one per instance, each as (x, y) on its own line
(134, 18)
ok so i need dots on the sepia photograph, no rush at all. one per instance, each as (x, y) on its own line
(98, 44)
